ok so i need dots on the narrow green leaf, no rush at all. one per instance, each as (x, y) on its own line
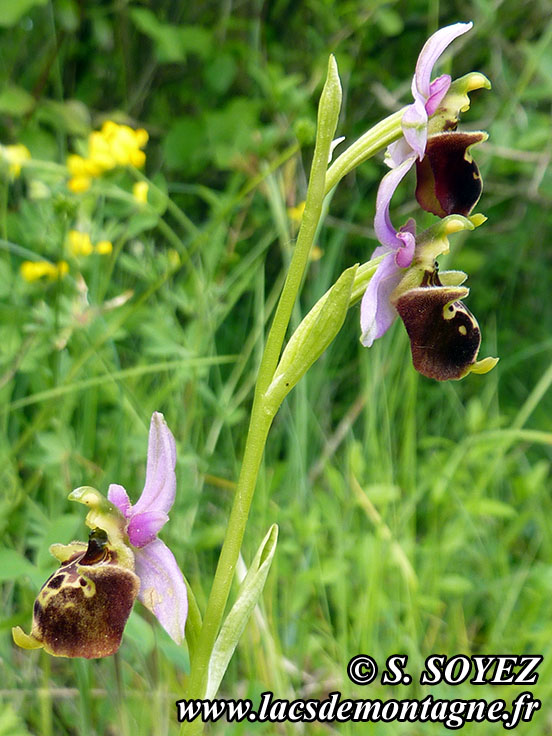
(311, 338)
(248, 596)
(13, 565)
(15, 100)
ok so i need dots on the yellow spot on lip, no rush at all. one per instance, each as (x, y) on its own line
(462, 330)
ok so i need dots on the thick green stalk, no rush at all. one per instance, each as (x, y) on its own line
(261, 419)
(380, 136)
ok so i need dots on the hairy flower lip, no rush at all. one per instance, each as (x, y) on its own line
(444, 335)
(82, 609)
(448, 179)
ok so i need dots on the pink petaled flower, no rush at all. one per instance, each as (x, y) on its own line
(162, 586)
(448, 179)
(427, 94)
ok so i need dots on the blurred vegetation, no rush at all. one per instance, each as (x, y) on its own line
(415, 517)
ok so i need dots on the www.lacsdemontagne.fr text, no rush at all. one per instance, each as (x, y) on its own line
(452, 713)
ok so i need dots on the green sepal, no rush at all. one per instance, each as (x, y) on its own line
(248, 597)
(64, 552)
(456, 101)
(311, 338)
(25, 641)
(430, 244)
(104, 515)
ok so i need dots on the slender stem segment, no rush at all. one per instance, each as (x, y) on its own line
(380, 136)
(261, 419)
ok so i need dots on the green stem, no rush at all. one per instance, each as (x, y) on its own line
(380, 136)
(261, 419)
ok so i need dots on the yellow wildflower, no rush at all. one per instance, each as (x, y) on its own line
(104, 247)
(173, 257)
(316, 253)
(79, 243)
(15, 156)
(124, 143)
(295, 214)
(141, 137)
(100, 155)
(113, 145)
(79, 184)
(140, 191)
(35, 270)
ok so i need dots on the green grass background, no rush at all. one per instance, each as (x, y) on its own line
(415, 518)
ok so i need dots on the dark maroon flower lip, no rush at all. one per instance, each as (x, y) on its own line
(444, 334)
(448, 179)
(82, 609)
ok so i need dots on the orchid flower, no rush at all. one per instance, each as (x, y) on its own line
(82, 609)
(427, 94)
(448, 183)
(444, 335)
(448, 179)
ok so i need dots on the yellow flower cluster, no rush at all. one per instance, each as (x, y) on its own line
(35, 270)
(140, 191)
(114, 145)
(295, 214)
(80, 244)
(15, 156)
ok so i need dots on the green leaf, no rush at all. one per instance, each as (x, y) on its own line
(185, 146)
(11, 11)
(172, 43)
(311, 338)
(70, 116)
(248, 596)
(490, 507)
(10, 723)
(13, 565)
(230, 130)
(15, 100)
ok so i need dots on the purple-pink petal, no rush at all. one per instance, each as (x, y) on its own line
(432, 50)
(143, 528)
(377, 313)
(160, 486)
(405, 253)
(385, 232)
(437, 90)
(427, 94)
(117, 495)
(162, 587)
(397, 152)
(414, 126)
